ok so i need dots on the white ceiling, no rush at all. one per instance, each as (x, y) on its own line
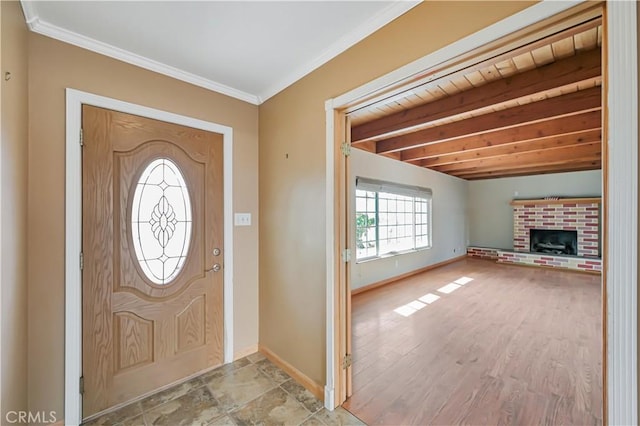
(250, 50)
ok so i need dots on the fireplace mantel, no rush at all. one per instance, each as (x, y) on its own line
(539, 201)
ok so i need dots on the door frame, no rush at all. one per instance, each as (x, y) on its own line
(620, 171)
(73, 231)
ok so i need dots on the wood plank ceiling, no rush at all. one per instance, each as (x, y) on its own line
(534, 110)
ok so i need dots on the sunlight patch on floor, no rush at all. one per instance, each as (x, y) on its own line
(410, 308)
(449, 288)
(415, 305)
(429, 298)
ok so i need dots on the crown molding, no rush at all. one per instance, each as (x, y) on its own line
(42, 27)
(378, 21)
(29, 13)
(382, 18)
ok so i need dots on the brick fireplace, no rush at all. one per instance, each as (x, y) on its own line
(577, 214)
(567, 230)
(565, 216)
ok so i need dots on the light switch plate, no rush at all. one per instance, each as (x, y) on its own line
(242, 219)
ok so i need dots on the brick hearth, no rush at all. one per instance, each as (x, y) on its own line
(540, 259)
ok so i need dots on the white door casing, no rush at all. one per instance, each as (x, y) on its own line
(73, 231)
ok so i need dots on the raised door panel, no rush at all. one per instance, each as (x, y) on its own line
(133, 341)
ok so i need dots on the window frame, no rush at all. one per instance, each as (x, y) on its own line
(417, 195)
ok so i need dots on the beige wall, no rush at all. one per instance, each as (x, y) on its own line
(54, 66)
(292, 190)
(13, 190)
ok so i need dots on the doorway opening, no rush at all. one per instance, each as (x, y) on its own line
(341, 228)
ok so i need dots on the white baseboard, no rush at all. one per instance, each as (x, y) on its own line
(329, 398)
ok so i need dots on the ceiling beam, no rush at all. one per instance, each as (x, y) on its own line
(480, 61)
(559, 164)
(559, 106)
(494, 174)
(583, 67)
(555, 127)
(586, 151)
(556, 166)
(394, 155)
(369, 146)
(533, 145)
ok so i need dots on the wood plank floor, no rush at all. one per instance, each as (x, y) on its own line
(514, 345)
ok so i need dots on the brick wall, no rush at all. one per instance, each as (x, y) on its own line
(580, 217)
(483, 252)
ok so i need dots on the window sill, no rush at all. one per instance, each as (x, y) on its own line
(392, 254)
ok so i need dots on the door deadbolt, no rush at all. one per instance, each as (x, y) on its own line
(216, 251)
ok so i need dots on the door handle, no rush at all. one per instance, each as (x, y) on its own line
(215, 268)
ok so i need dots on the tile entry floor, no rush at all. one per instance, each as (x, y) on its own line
(249, 391)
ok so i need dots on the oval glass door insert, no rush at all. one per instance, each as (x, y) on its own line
(161, 221)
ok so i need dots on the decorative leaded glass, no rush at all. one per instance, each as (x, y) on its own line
(161, 221)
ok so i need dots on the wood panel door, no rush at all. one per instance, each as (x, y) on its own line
(152, 233)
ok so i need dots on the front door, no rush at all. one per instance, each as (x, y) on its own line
(152, 283)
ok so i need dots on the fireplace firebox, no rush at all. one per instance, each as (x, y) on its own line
(553, 241)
